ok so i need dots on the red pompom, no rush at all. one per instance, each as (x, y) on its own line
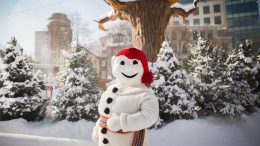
(147, 78)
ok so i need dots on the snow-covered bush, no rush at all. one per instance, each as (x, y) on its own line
(18, 88)
(78, 95)
(173, 86)
(224, 88)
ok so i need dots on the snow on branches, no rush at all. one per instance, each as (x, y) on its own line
(18, 88)
(78, 94)
(173, 86)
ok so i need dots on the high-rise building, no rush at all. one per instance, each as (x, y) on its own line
(60, 32)
(259, 9)
(50, 43)
(42, 45)
(243, 20)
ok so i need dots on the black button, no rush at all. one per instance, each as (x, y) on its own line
(105, 141)
(107, 110)
(109, 100)
(115, 90)
(104, 130)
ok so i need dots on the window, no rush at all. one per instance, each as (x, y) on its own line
(195, 35)
(202, 33)
(196, 12)
(207, 21)
(174, 35)
(176, 23)
(224, 45)
(1, 54)
(185, 49)
(217, 8)
(103, 74)
(187, 22)
(242, 7)
(206, 10)
(183, 35)
(217, 20)
(210, 35)
(103, 63)
(196, 21)
(104, 52)
(118, 38)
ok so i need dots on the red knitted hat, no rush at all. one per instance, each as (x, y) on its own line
(134, 53)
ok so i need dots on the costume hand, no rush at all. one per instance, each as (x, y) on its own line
(113, 123)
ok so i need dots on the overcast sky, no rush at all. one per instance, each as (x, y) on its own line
(21, 18)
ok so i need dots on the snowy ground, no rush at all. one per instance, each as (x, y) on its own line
(200, 132)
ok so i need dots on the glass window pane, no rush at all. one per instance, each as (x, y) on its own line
(196, 21)
(217, 8)
(207, 21)
(217, 19)
(196, 12)
(206, 10)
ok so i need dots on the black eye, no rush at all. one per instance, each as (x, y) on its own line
(122, 63)
(135, 62)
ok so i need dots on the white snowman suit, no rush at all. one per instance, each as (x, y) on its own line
(129, 104)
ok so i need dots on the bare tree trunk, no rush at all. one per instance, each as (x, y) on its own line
(148, 27)
(149, 43)
(149, 19)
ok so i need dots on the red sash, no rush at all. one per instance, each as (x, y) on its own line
(138, 135)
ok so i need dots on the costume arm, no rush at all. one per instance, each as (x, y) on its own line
(145, 118)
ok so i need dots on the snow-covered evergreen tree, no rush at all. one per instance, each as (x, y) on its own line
(78, 94)
(221, 91)
(40, 77)
(240, 66)
(173, 86)
(18, 88)
(256, 91)
(246, 53)
(207, 63)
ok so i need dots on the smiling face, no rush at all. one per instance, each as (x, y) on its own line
(128, 72)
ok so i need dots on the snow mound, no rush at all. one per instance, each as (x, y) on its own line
(8, 139)
(210, 131)
(47, 128)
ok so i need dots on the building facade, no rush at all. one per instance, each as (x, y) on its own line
(99, 62)
(49, 44)
(42, 46)
(208, 12)
(243, 20)
(112, 44)
(182, 38)
(209, 20)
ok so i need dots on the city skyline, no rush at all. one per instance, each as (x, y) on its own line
(33, 15)
(21, 18)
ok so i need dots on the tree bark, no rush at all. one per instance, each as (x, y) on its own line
(149, 21)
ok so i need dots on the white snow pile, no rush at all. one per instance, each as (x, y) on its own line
(45, 133)
(200, 132)
(186, 8)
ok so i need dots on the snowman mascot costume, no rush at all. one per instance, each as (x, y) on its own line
(127, 108)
